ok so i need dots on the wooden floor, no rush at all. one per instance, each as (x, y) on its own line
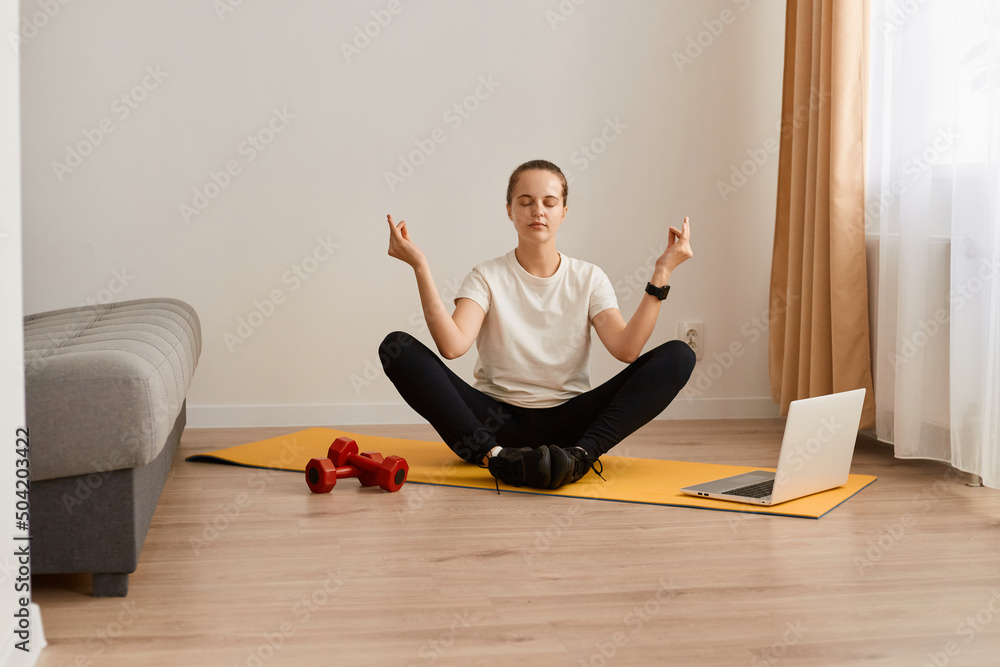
(246, 567)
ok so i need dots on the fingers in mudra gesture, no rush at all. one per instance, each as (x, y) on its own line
(400, 245)
(678, 247)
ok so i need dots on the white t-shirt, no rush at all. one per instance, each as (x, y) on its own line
(534, 345)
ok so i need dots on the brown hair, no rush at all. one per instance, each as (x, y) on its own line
(544, 165)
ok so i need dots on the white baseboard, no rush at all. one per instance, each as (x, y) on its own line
(760, 407)
(226, 416)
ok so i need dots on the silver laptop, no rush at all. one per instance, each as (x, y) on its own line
(816, 453)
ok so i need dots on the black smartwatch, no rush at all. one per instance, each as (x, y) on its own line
(659, 292)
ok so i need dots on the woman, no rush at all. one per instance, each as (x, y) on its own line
(531, 417)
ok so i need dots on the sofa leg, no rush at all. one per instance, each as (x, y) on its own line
(110, 584)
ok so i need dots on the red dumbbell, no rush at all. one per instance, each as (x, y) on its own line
(389, 473)
(322, 474)
(368, 478)
(342, 449)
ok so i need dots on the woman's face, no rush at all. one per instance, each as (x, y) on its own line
(536, 207)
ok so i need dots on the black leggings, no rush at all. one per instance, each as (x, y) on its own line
(472, 423)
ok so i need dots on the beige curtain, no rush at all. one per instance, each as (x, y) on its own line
(819, 343)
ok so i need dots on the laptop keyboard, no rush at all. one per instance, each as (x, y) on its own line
(757, 490)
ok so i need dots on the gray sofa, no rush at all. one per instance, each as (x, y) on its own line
(105, 390)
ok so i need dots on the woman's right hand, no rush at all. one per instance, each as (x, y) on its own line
(400, 245)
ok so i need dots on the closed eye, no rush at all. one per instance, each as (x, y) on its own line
(550, 202)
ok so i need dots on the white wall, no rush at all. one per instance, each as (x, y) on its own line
(108, 224)
(11, 336)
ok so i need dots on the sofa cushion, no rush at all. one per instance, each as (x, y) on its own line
(104, 384)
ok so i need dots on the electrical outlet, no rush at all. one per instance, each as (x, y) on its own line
(692, 333)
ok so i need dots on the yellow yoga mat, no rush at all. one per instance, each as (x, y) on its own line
(627, 479)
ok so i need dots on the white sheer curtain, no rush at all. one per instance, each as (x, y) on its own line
(933, 218)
